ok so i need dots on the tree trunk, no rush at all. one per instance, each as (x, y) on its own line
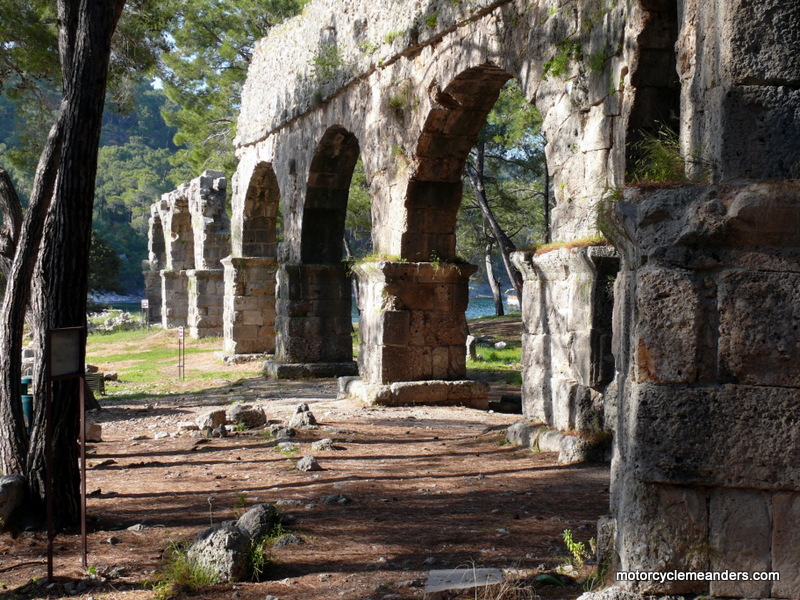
(60, 277)
(546, 205)
(11, 210)
(497, 293)
(13, 436)
(504, 242)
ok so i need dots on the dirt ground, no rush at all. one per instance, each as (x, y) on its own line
(428, 488)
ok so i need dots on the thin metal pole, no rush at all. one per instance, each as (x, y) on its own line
(48, 452)
(82, 421)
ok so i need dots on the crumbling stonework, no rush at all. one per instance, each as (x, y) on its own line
(697, 372)
(189, 235)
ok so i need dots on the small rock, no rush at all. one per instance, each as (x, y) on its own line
(335, 499)
(219, 432)
(139, 438)
(138, 527)
(161, 435)
(500, 345)
(308, 463)
(113, 541)
(303, 417)
(287, 447)
(113, 376)
(188, 426)
(211, 419)
(429, 561)
(259, 520)
(246, 415)
(323, 444)
(94, 432)
(289, 539)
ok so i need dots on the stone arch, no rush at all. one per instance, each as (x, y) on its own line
(249, 308)
(259, 214)
(314, 297)
(156, 260)
(449, 133)
(326, 197)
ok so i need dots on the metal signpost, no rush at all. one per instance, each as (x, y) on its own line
(181, 353)
(65, 349)
(146, 313)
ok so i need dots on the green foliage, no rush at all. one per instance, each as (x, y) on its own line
(577, 550)
(432, 19)
(393, 35)
(567, 51)
(358, 220)
(513, 177)
(204, 71)
(659, 159)
(180, 575)
(104, 265)
(368, 47)
(327, 63)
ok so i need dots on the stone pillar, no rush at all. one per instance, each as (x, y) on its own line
(413, 334)
(567, 302)
(206, 294)
(706, 470)
(249, 316)
(152, 292)
(174, 298)
(314, 322)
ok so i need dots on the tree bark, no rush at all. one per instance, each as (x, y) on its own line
(60, 217)
(497, 293)
(504, 243)
(13, 436)
(11, 210)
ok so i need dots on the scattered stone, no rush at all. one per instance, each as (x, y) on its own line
(259, 520)
(520, 433)
(336, 499)
(220, 432)
(12, 494)
(287, 447)
(290, 539)
(500, 345)
(445, 580)
(321, 445)
(211, 419)
(429, 561)
(280, 432)
(271, 597)
(138, 527)
(113, 541)
(94, 432)
(303, 417)
(246, 415)
(308, 463)
(188, 426)
(223, 551)
(161, 435)
(139, 438)
(289, 502)
(113, 376)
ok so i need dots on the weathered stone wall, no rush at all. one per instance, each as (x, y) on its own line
(189, 235)
(567, 304)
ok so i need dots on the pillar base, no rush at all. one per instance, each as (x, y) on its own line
(474, 394)
(278, 370)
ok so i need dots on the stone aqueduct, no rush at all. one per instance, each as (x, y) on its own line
(692, 360)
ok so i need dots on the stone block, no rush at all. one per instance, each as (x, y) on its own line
(708, 436)
(739, 526)
(759, 325)
(666, 331)
(663, 528)
(785, 544)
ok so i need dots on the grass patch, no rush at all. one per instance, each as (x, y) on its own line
(180, 575)
(498, 365)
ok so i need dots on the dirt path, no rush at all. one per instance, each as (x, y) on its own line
(428, 488)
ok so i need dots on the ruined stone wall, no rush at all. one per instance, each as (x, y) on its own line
(705, 452)
(189, 234)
